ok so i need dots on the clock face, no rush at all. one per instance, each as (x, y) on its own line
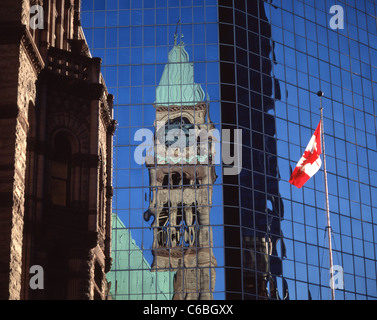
(171, 132)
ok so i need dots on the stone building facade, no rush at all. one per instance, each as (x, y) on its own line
(56, 130)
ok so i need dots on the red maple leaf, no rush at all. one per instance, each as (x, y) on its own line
(310, 157)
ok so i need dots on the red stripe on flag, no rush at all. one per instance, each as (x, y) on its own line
(299, 177)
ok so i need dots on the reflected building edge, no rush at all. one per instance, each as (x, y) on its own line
(261, 213)
(181, 179)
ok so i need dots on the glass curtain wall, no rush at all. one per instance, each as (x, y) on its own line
(161, 62)
(309, 56)
(182, 229)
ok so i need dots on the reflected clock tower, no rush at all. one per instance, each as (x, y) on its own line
(181, 179)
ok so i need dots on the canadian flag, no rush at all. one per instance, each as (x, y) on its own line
(310, 161)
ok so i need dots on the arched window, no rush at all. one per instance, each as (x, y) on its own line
(61, 171)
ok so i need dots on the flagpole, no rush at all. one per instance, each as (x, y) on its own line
(321, 94)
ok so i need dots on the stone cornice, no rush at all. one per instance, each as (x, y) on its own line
(19, 33)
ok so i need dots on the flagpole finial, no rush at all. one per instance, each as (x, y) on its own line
(320, 94)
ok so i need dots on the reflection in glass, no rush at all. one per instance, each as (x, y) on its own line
(270, 57)
(262, 245)
(181, 183)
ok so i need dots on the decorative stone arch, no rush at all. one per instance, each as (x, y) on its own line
(71, 137)
(77, 131)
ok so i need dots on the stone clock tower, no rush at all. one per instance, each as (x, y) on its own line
(181, 178)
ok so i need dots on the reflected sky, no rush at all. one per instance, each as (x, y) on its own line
(278, 110)
(311, 56)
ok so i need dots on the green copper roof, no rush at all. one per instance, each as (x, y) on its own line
(130, 275)
(177, 86)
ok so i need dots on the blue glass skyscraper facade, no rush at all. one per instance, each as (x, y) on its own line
(259, 65)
